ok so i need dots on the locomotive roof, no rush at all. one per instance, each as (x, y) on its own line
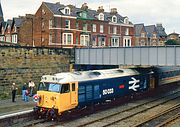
(66, 77)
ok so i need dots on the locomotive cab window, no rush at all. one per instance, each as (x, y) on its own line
(73, 86)
(54, 87)
(65, 88)
(42, 86)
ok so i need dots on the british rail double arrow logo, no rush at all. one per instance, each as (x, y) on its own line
(134, 82)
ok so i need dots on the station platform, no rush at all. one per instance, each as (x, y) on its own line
(9, 107)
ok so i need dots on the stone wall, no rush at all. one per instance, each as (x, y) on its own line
(21, 64)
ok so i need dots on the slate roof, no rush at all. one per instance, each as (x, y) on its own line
(138, 28)
(9, 22)
(18, 21)
(160, 30)
(56, 9)
(150, 29)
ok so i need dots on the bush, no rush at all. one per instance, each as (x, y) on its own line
(172, 42)
(4, 95)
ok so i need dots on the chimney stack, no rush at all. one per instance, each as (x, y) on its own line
(113, 11)
(57, 2)
(100, 9)
(84, 6)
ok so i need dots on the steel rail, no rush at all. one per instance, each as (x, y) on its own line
(132, 108)
(174, 107)
(168, 121)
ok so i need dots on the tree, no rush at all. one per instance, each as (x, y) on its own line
(172, 42)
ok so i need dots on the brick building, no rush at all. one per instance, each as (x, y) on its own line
(149, 35)
(57, 25)
(141, 38)
(162, 34)
(17, 31)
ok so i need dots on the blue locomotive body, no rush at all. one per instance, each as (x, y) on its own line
(102, 89)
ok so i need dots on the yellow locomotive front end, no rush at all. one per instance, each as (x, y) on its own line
(54, 97)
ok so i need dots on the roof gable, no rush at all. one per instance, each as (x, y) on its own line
(138, 29)
(150, 30)
(54, 8)
(160, 30)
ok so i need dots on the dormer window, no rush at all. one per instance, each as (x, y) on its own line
(101, 16)
(67, 11)
(114, 19)
(84, 15)
(126, 20)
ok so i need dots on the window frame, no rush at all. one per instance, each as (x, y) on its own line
(101, 16)
(101, 28)
(65, 39)
(94, 28)
(67, 24)
(114, 30)
(73, 87)
(114, 17)
(84, 43)
(62, 88)
(67, 11)
(127, 31)
(115, 42)
(50, 23)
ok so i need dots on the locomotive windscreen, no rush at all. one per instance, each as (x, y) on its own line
(52, 87)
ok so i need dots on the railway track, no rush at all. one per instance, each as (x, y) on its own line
(130, 112)
(162, 117)
(166, 97)
(169, 121)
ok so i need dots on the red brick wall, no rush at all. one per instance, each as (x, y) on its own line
(25, 32)
(39, 33)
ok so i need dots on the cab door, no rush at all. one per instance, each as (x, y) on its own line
(65, 98)
(74, 94)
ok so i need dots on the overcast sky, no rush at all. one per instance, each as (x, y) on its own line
(148, 12)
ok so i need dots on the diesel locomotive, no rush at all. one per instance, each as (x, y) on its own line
(66, 91)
